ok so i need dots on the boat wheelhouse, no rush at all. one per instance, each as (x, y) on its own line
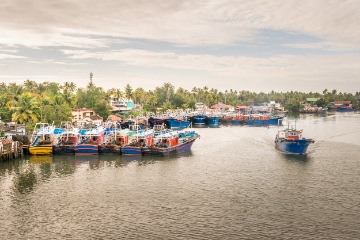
(42, 139)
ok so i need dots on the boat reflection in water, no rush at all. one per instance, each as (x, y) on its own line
(39, 159)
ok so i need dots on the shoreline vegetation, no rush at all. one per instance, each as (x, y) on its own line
(52, 102)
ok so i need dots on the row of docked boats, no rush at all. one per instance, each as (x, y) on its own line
(133, 141)
(214, 119)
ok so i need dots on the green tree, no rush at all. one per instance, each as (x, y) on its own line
(25, 109)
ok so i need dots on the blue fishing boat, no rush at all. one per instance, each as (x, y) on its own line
(263, 120)
(344, 109)
(139, 143)
(212, 120)
(198, 119)
(90, 142)
(178, 122)
(290, 140)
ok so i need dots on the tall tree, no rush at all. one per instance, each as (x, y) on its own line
(25, 109)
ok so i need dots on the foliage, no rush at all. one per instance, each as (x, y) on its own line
(53, 102)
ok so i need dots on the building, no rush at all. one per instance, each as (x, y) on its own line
(275, 107)
(223, 107)
(86, 114)
(94, 119)
(121, 104)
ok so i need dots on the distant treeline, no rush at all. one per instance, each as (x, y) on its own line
(52, 102)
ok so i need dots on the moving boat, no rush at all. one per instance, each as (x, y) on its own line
(290, 140)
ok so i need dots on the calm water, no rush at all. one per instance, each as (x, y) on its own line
(234, 184)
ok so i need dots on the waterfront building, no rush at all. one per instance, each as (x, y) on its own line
(85, 114)
(119, 104)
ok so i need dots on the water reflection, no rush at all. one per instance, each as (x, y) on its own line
(36, 159)
(26, 180)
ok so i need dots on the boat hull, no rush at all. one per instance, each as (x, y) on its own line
(110, 149)
(87, 149)
(344, 109)
(272, 121)
(63, 149)
(214, 121)
(41, 150)
(199, 120)
(175, 123)
(155, 121)
(134, 151)
(170, 150)
(298, 146)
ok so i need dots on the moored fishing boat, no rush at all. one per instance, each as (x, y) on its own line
(198, 119)
(42, 139)
(173, 142)
(344, 109)
(90, 141)
(177, 122)
(212, 120)
(290, 140)
(263, 120)
(139, 143)
(154, 120)
(66, 141)
(114, 140)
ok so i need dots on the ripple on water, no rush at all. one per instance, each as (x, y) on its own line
(234, 184)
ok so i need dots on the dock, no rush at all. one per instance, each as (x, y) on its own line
(10, 149)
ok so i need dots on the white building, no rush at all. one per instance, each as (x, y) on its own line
(86, 114)
(121, 104)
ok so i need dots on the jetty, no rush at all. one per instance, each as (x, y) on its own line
(10, 149)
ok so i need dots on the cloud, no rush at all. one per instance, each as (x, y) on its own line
(188, 23)
(8, 56)
(299, 67)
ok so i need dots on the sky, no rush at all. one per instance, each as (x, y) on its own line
(253, 45)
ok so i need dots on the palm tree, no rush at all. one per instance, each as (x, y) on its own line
(40, 93)
(69, 86)
(25, 109)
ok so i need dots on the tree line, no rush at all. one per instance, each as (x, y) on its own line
(52, 102)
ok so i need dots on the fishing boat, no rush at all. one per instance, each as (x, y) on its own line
(177, 122)
(263, 120)
(90, 141)
(344, 109)
(114, 141)
(212, 120)
(173, 142)
(42, 139)
(198, 119)
(290, 140)
(155, 120)
(139, 143)
(66, 141)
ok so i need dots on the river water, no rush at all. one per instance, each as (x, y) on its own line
(234, 184)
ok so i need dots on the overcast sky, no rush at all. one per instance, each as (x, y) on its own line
(255, 45)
